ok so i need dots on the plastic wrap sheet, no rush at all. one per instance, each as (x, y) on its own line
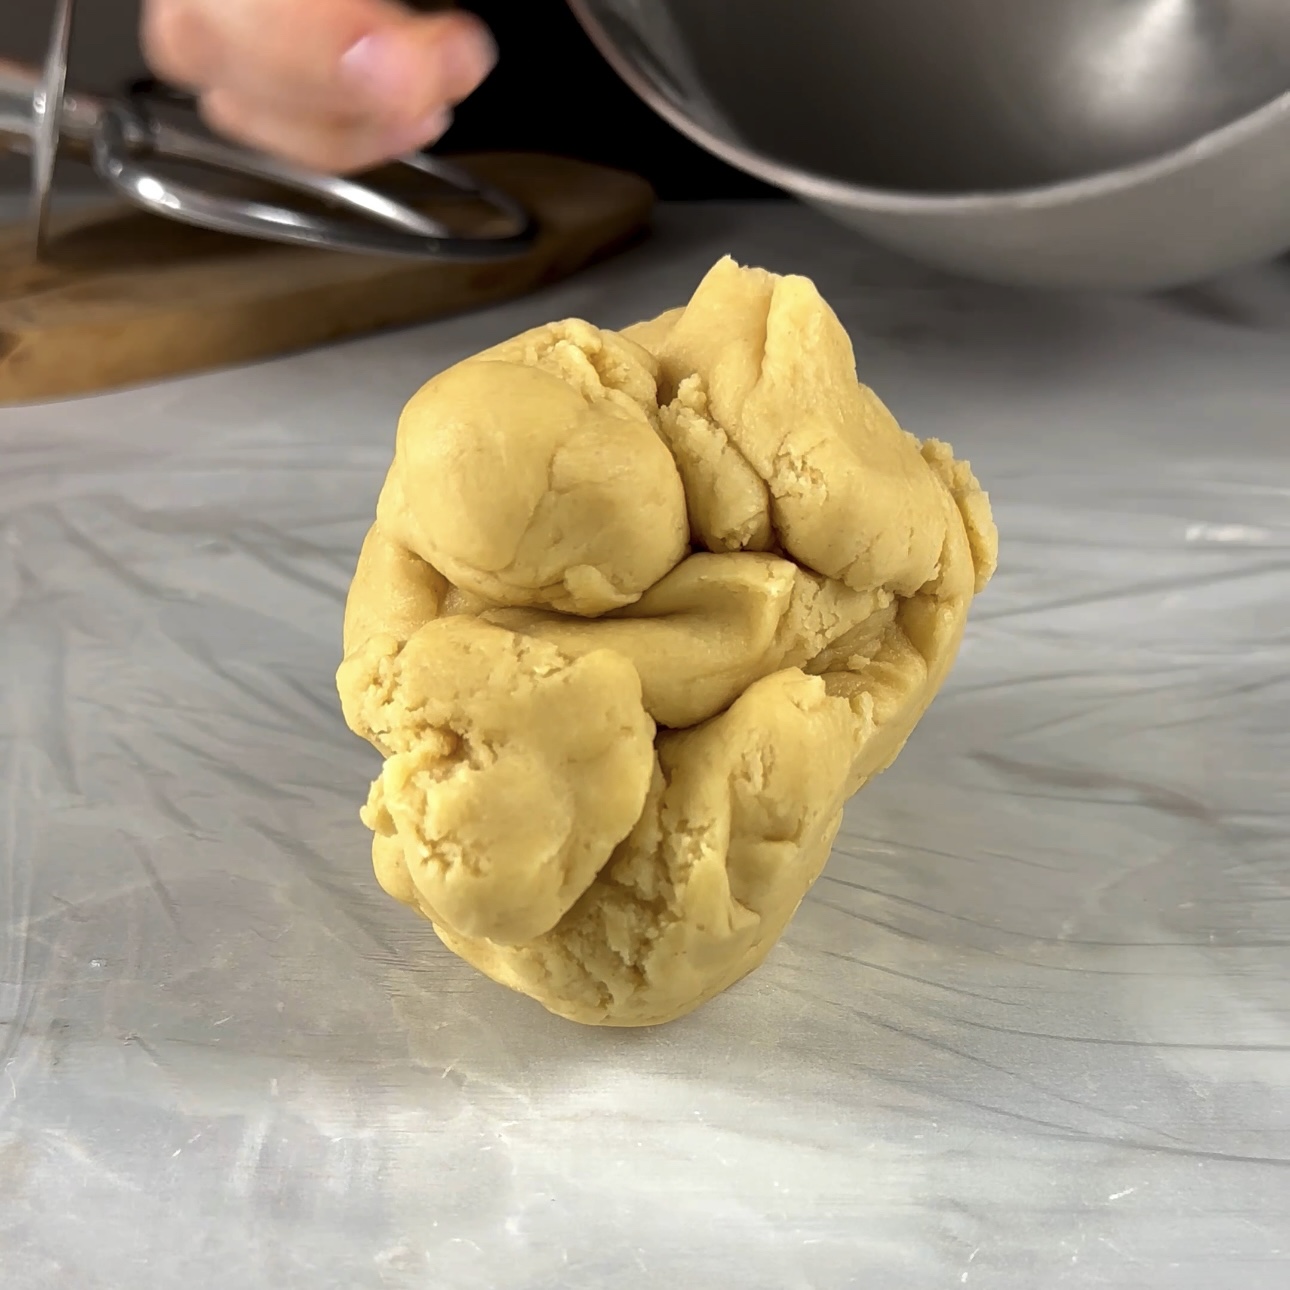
(1030, 1030)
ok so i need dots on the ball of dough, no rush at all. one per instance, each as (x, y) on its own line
(504, 810)
(638, 613)
(534, 474)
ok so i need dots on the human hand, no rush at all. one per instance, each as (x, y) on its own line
(335, 85)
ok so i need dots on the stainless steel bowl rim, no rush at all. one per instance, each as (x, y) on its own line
(839, 192)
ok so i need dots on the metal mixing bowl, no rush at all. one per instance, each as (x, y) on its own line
(1066, 143)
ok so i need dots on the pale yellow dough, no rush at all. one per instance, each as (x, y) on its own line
(638, 613)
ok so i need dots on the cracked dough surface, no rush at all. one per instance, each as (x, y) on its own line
(640, 610)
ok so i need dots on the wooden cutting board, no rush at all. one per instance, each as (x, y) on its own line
(125, 297)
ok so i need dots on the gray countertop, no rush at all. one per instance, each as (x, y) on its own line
(1030, 1030)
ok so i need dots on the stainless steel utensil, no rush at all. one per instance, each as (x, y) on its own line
(123, 139)
(1064, 143)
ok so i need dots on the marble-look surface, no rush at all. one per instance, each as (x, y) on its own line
(1030, 1031)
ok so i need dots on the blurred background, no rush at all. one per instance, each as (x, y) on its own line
(551, 92)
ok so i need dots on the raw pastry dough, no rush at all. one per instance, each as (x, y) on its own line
(639, 612)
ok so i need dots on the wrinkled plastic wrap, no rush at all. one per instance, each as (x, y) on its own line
(1030, 1030)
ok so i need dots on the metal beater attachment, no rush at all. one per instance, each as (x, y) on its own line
(41, 118)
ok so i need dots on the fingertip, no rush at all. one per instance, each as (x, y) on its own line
(411, 69)
(467, 51)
